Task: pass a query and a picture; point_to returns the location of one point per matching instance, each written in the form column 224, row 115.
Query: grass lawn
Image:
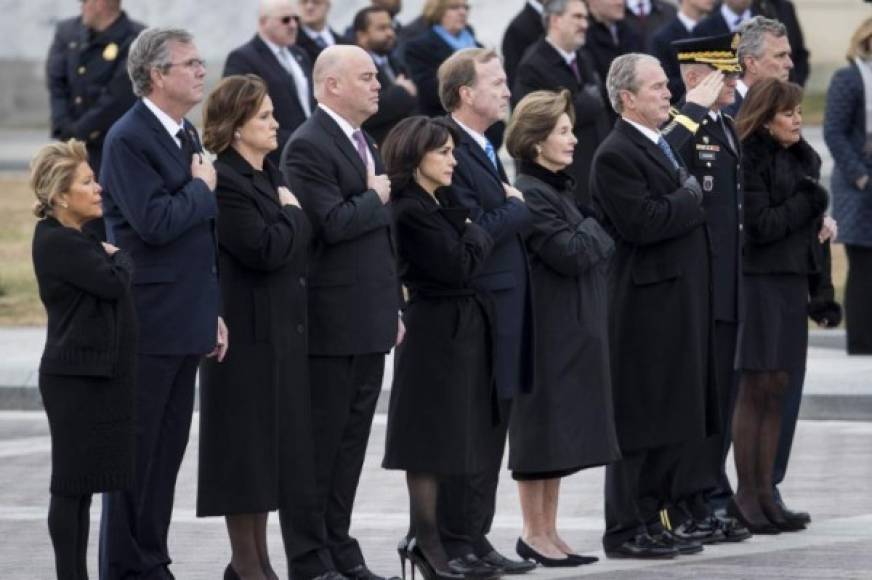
column 19, row 303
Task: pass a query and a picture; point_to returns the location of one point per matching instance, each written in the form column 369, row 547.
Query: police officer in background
column 86, row 73
column 707, row 142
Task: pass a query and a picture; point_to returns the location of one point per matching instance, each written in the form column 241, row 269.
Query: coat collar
column 455, row 215
column 644, row 143
column 474, row 149
column 237, row 163
column 343, row 143
column 560, row 181
column 163, row 137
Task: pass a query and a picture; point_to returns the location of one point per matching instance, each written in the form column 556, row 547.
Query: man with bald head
column 287, row 70
column 335, row 171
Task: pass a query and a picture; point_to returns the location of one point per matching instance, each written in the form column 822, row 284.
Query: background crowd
column 637, row 299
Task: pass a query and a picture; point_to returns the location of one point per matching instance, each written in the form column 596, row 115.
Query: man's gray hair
column 151, row 50
column 754, row 34
column 622, row 76
column 554, row 8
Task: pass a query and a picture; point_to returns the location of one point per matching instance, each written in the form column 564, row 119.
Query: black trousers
column 701, row 471
column 858, row 305
column 637, row 487
column 345, row 391
column 467, row 503
column 135, row 523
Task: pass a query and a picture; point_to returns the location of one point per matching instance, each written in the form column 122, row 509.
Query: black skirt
column 775, row 329
column 92, row 432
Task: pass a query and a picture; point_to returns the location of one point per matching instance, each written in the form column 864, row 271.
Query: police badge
column 110, row 53
column 708, row 182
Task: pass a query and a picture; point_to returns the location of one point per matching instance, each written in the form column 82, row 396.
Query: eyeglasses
column 191, row 63
column 287, row 19
column 458, row 7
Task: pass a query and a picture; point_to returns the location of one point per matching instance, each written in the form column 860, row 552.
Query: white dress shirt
column 168, row 122
column 651, row 134
column 730, row 17
column 476, row 136
column 290, row 64
column 348, row 129
column 324, row 34
column 688, row 22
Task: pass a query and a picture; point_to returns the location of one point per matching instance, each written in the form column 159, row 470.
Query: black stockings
column 423, row 498
column 756, row 428
column 250, row 555
column 68, row 522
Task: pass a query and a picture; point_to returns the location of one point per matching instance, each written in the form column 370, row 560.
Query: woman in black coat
column 567, row 423
column 255, row 419
column 785, row 230
column 86, row 371
column 442, row 394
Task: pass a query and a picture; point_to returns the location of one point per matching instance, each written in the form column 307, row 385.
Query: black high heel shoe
column 230, row 573
column 403, row 551
column 527, row 552
column 775, row 515
column 430, row 573
column 763, row 528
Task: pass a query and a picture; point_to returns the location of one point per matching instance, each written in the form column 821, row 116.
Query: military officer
column 86, row 73
column 709, row 145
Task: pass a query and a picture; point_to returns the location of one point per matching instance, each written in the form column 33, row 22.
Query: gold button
column 78, row 100
column 81, row 70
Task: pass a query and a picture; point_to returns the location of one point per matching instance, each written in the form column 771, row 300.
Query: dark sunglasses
column 287, row 19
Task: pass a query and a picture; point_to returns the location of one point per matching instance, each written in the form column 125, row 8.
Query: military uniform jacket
column 87, row 80
column 714, row 159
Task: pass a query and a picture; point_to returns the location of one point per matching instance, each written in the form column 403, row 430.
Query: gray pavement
column 830, row 470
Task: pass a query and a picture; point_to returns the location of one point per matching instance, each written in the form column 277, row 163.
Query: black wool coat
column 441, row 400
column 524, row 29
column 255, row 431
column 660, row 313
column 568, row 420
column 543, row 68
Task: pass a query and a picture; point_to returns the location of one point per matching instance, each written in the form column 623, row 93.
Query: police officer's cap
column 718, row 52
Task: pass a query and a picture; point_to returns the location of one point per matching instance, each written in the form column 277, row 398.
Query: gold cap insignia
column 110, row 53
column 735, row 44
column 705, row 139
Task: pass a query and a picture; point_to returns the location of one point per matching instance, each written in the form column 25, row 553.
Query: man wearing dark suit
column 608, row 37
column 732, row 14
column 660, row 310
column 524, row 29
column 285, row 68
column 646, row 17
column 159, row 206
column 472, row 88
column 710, row 148
column 690, row 12
column 398, row 96
column 559, row 61
column 316, row 34
column 336, row 172
column 87, row 76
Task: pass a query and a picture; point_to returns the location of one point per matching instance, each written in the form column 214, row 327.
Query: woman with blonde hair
column 848, row 134
column 567, row 423
column 86, row 371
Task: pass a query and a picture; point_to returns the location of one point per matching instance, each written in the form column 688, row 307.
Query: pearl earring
column 237, row 135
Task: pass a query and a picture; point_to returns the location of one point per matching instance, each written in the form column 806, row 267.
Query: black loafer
column 702, row 531
column 732, row 529
column 508, row 566
column 472, row 566
column 643, row 547
column 684, row 547
column 361, row 572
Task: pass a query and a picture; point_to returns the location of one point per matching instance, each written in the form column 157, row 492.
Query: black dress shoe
column 472, row 566
column 582, row 559
column 508, row 566
column 643, row 547
column 732, row 530
column 230, row 573
column 802, row 517
column 684, row 547
column 704, row 531
column 527, row 552
column 361, row 572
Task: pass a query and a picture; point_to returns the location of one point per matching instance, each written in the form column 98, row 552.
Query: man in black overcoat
column 709, row 145
column 285, row 68
column 336, row 172
column 398, row 97
column 659, row 320
column 559, row 61
column 733, row 14
column 524, row 29
column 159, row 206
column 472, row 87
column 646, row 17
column 690, row 12
column 608, row 37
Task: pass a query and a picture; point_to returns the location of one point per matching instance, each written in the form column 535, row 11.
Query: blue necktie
column 667, row 150
column 489, row 151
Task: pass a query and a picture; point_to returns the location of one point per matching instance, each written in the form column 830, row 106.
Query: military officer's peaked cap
column 716, row 51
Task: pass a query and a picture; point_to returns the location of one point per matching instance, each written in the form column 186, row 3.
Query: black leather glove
column 690, row 183
column 817, row 195
column 825, row 313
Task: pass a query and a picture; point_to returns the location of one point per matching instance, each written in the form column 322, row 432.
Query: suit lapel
column 163, row 137
column 556, row 63
column 477, row 153
column 652, row 150
column 343, row 143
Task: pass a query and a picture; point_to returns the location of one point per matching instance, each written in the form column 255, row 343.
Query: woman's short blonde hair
column 234, row 101
column 533, row 120
column 52, row 170
column 861, row 41
column 434, row 10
